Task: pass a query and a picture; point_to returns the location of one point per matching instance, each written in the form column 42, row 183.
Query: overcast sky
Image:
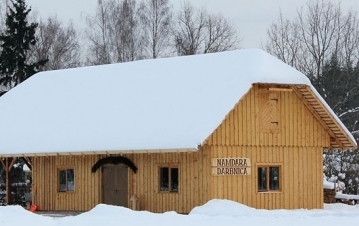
column 251, row 17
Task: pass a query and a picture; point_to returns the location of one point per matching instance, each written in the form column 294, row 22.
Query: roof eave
column 96, row 152
column 342, row 139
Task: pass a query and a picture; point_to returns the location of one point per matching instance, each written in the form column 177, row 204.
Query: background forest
column 322, row 41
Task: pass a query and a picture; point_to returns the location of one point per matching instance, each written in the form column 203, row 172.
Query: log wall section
column 297, row 148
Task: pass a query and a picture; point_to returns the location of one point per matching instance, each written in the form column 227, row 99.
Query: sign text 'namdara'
column 231, row 166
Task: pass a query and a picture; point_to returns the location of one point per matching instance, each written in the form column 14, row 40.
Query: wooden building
column 174, row 133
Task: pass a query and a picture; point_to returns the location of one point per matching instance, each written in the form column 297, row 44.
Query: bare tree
column 156, row 16
column 221, row 35
column 349, row 49
column 114, row 33
column 319, row 31
column 120, row 31
column 97, row 34
column 189, row 29
column 58, row 43
column 127, row 37
column 284, row 41
column 196, row 31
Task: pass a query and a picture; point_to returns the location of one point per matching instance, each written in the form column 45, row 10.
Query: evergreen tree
column 338, row 84
column 15, row 42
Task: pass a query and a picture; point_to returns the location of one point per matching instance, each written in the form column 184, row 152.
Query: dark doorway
column 115, row 181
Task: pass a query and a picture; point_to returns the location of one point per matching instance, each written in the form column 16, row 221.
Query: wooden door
column 115, row 180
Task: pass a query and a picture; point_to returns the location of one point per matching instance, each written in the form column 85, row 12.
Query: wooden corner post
column 9, row 162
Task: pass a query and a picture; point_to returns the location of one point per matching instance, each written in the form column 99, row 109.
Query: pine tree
column 338, row 84
column 15, row 42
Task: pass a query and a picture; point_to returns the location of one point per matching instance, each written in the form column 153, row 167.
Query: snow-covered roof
column 170, row 104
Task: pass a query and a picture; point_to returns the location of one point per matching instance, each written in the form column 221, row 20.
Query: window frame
column 66, row 169
column 280, row 181
column 170, row 167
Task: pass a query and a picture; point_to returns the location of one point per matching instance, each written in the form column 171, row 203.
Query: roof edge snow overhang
column 109, row 152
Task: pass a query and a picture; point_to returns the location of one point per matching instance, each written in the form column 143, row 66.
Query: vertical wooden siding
column 194, row 181
column 299, row 128
column 301, row 177
column 297, row 148
column 194, row 177
column 45, row 183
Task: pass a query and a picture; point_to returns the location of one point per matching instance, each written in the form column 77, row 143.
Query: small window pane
column 174, row 179
column 67, row 180
column 164, row 178
column 70, row 180
column 62, row 180
column 274, row 178
column 262, row 179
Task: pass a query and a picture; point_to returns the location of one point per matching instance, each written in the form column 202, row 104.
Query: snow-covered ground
column 215, row 212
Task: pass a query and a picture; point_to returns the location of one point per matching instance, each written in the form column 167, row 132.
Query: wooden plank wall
column 299, row 128
column 301, row 173
column 194, row 181
column 297, row 147
column 45, row 183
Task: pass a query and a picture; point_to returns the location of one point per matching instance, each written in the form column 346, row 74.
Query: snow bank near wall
column 213, row 213
column 218, row 207
column 19, row 216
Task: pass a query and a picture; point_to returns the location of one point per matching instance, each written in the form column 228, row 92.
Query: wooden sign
column 231, row 166
column 231, row 162
column 231, row 171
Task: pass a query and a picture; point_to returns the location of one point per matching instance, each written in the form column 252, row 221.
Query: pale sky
column 251, row 17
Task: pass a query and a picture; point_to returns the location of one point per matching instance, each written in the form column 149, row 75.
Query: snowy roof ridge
column 161, row 104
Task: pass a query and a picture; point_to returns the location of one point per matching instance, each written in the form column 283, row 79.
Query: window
column 169, row 179
column 67, row 180
column 268, row 178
